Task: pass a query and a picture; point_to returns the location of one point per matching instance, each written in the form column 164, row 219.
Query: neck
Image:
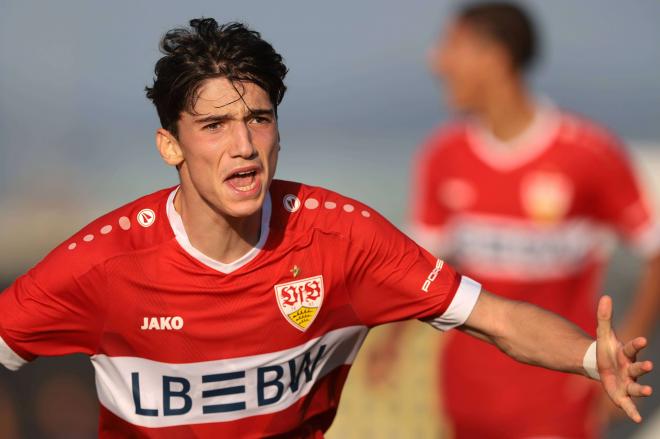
column 507, row 110
column 219, row 237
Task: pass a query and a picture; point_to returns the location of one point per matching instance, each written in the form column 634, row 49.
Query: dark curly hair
column 206, row 50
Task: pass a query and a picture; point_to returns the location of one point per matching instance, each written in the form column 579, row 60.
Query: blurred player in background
column 521, row 196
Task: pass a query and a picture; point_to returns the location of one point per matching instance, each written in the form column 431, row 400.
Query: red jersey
column 186, row 346
column 530, row 220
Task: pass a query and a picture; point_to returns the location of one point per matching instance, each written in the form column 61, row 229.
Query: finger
column 604, row 317
column 638, row 369
column 628, row 406
column 635, row 389
column 635, row 345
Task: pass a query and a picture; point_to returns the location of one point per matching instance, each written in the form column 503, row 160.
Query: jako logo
column 162, row 323
column 432, row 275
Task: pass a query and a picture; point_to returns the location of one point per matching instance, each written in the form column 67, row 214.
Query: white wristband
column 590, row 363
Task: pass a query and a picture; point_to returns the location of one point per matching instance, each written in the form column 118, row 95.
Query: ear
column 168, row 147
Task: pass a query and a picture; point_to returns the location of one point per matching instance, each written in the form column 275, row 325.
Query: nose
column 241, row 145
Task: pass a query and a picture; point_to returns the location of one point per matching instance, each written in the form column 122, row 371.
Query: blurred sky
column 76, row 132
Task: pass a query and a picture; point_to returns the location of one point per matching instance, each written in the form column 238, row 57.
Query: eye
column 261, row 119
column 212, row 126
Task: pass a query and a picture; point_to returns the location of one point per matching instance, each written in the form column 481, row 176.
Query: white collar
column 182, row 237
column 522, row 149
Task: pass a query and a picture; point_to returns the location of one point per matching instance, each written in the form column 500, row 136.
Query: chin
column 243, row 208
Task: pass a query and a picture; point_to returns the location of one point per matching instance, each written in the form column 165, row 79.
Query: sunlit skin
column 231, row 129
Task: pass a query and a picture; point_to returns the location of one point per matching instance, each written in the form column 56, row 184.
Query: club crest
column 546, row 196
column 300, row 300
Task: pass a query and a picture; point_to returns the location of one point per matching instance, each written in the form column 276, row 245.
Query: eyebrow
column 225, row 117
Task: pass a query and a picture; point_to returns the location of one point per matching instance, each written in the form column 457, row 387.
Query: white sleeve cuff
column 8, row 358
column 460, row 307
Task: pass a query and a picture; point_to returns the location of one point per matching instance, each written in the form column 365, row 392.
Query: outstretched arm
column 532, row 335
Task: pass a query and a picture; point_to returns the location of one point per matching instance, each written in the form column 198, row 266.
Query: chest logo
column 300, row 300
column 546, row 197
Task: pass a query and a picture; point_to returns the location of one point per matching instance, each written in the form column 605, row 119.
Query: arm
column 520, row 330
column 56, row 308
column 534, row 336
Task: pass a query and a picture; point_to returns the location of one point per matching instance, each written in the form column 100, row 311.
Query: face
column 227, row 148
column 468, row 64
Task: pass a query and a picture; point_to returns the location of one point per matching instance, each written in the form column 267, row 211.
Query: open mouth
column 244, row 180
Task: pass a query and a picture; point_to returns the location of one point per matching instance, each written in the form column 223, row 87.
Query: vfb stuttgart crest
column 300, row 301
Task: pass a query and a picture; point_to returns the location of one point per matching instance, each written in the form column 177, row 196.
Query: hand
column 617, row 363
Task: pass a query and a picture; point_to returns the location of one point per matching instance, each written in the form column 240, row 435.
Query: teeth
column 247, row 178
column 246, row 188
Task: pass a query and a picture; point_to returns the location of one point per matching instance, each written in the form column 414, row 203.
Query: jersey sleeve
column 621, row 200
column 428, row 216
column 391, row 278
column 54, row 309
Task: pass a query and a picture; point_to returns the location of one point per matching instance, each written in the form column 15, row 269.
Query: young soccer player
column 233, row 304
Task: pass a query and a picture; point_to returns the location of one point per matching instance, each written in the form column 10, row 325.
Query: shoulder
column 445, row 138
column 132, row 227
column 445, row 144
column 589, row 137
column 304, row 208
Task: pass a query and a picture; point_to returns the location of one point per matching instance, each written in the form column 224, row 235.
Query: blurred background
column 76, row 140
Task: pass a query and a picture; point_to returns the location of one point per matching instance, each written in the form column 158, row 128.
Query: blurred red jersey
column 530, row 220
column 186, row 346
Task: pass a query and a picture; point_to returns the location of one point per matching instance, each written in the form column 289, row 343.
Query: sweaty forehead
column 221, row 93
